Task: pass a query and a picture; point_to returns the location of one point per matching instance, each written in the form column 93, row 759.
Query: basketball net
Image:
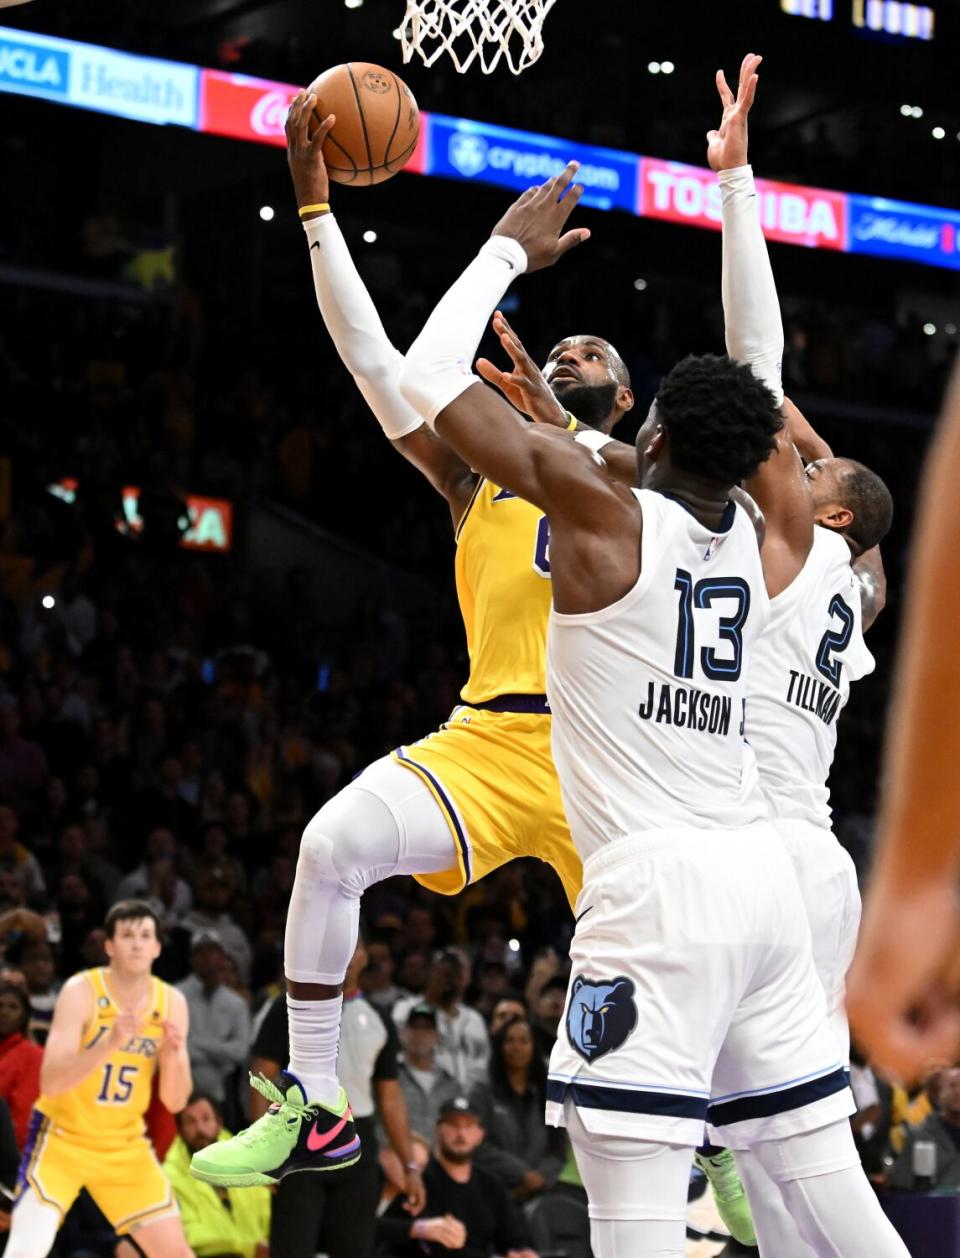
column 471, row 29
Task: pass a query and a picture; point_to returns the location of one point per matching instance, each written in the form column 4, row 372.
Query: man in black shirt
column 468, row 1210
column 338, row 1212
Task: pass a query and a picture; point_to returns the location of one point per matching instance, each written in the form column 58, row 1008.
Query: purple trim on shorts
column 514, row 703
column 447, row 806
column 29, row 1146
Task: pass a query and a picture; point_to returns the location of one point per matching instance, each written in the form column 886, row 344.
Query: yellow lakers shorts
column 492, row 774
column 126, row 1182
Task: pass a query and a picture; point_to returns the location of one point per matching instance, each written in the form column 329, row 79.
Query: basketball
column 377, row 125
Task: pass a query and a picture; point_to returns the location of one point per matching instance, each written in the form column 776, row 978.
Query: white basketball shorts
column 693, row 996
column 828, row 885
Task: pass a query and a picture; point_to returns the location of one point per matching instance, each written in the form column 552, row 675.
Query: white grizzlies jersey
column 800, row 680
column 648, row 694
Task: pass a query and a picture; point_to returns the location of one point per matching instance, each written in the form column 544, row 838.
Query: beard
column 591, row 403
column 457, row 1156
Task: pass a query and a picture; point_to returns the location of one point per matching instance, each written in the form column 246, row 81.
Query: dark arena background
column 221, row 592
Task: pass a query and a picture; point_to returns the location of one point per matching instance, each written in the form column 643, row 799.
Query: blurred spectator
column 20, row 1059
column 14, row 856
column 505, row 1010
column 217, row 1221
column 547, row 1009
column 219, row 1036
column 377, row 979
column 426, row 1085
column 212, row 893
column 36, row 960
column 519, row 1149
column 941, row 1129
column 144, row 882
column 468, row 1209
column 23, row 766
column 464, row 1047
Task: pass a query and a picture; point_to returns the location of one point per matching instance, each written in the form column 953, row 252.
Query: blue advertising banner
column 145, row 89
column 478, row 152
column 899, row 229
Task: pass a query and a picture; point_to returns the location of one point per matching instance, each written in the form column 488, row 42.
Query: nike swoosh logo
column 583, row 914
column 315, row 245
column 317, row 1141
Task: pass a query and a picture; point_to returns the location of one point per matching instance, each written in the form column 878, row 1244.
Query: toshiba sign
column 244, row 108
column 788, row 212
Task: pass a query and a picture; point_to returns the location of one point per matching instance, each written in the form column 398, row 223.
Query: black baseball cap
column 458, row 1105
column 426, row 1012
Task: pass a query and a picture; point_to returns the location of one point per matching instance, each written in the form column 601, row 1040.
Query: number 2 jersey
column 108, row 1106
column 648, row 694
column 800, row 681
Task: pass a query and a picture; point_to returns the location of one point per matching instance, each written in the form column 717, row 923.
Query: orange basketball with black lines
column 377, row 125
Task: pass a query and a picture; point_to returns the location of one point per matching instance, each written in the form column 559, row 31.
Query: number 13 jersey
column 800, row 681
column 648, row 694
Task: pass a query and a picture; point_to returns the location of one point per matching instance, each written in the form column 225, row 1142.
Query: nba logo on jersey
column 600, row 1016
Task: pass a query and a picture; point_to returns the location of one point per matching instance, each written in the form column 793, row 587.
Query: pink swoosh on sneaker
column 316, row 1141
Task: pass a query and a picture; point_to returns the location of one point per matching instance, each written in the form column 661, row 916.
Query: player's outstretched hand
column 305, row 154
column 727, row 147
column 902, row 989
column 524, row 387
column 536, row 220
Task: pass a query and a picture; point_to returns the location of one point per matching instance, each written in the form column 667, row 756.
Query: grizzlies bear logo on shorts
column 600, row 1016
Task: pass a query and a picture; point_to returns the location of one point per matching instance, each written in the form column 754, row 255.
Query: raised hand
column 535, row 221
column 524, row 387
column 305, row 153
column 727, row 147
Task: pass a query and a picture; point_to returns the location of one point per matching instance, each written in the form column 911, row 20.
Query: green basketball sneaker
column 293, row 1135
column 721, row 1170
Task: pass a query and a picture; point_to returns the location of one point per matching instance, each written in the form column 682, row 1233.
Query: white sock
column 314, row 1040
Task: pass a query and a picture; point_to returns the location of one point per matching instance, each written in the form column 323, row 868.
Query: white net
column 469, row 30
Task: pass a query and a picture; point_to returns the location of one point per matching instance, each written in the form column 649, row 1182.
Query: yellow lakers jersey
column 503, row 585
column 109, row 1104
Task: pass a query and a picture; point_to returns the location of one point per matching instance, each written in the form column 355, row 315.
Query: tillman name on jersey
column 812, row 695
column 686, row 707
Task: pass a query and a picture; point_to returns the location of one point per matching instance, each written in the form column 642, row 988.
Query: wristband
column 573, row 425
column 593, row 440
column 322, row 208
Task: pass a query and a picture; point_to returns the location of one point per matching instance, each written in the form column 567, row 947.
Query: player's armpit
column 442, row 466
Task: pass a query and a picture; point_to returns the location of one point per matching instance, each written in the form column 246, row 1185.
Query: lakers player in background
column 113, row 1029
column 466, row 799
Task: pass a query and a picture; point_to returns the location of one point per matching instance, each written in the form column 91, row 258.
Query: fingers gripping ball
column 377, row 124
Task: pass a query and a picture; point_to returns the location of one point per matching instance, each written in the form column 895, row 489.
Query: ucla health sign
column 460, row 149
column 898, row 229
column 145, row 89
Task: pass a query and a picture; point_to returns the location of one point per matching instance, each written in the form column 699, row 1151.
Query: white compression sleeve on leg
column 826, row 1193
column 33, row 1227
column 355, row 328
column 438, row 363
column 750, row 304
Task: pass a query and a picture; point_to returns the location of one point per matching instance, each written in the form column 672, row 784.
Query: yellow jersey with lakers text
column 109, row 1105
column 503, row 585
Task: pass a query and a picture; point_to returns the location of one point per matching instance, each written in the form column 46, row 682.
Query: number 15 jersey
column 108, row 1106
column 648, row 694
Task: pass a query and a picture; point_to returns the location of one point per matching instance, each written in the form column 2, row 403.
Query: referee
column 337, row 1213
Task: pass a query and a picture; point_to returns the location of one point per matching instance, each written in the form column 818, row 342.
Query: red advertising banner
column 691, row 195
column 244, row 108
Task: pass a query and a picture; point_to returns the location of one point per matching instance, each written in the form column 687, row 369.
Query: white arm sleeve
column 355, row 328
column 438, row 363
column 750, row 304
